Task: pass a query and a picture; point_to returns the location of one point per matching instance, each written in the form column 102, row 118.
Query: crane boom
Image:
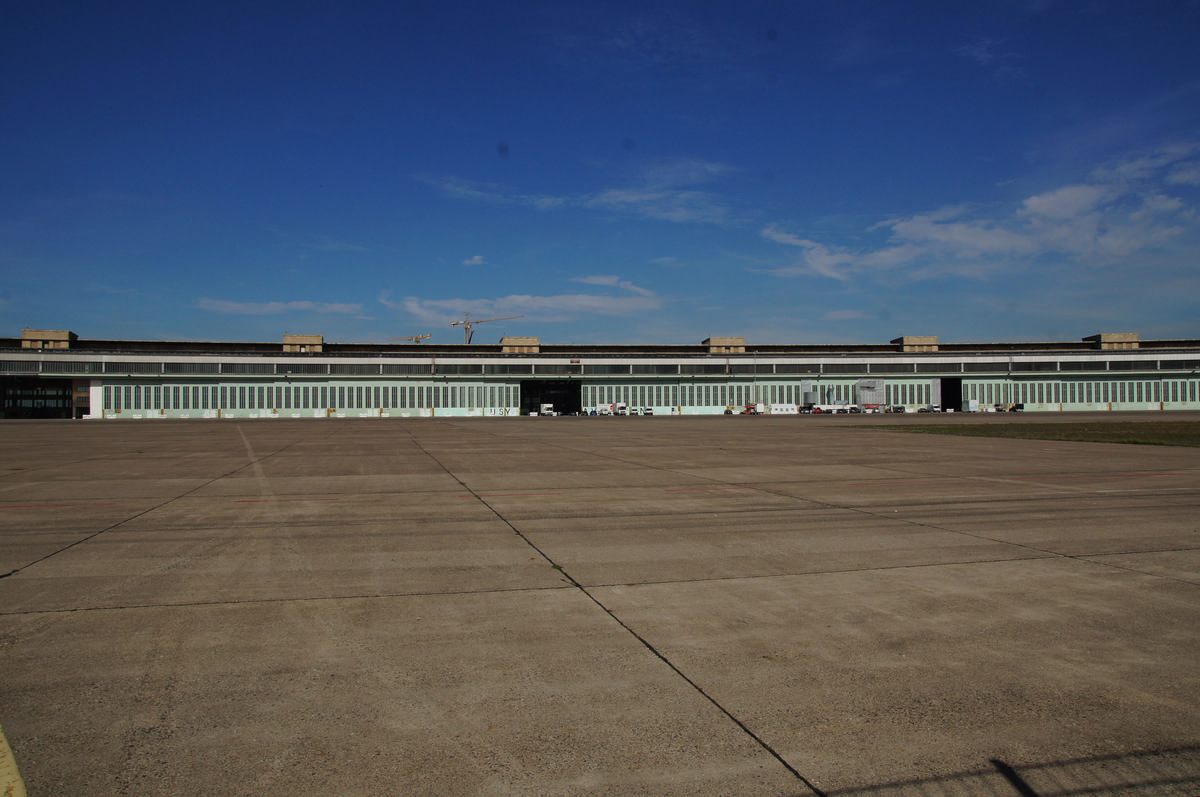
column 469, row 326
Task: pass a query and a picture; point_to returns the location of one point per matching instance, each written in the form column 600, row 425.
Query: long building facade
column 56, row 374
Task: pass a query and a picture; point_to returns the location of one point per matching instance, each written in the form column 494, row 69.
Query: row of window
column 305, row 397
column 688, row 395
column 718, row 395
column 216, row 367
column 1106, row 392
column 296, row 397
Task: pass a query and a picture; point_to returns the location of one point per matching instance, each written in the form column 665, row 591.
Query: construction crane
column 469, row 326
column 413, row 338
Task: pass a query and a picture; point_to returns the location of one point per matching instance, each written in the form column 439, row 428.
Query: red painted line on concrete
column 702, row 489
column 280, row 500
column 1094, row 476
column 1021, row 478
column 49, row 506
column 502, row 495
column 900, row 481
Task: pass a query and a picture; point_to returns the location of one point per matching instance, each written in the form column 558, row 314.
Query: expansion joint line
column 253, row 461
column 644, row 642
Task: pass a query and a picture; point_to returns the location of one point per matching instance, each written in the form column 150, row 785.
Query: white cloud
column 1065, row 203
column 274, row 308
column 781, row 237
column 961, row 238
column 816, row 258
column 663, row 190
column 1123, row 209
column 476, row 260
column 1187, row 173
column 660, row 203
column 613, row 281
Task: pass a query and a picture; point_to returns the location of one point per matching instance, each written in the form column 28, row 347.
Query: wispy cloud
column 275, row 308
column 560, row 308
column 613, row 281
column 1122, row 208
column 994, row 55
column 1187, row 173
column 659, row 44
column 476, row 260
column 664, row 190
column 320, row 243
column 324, row 243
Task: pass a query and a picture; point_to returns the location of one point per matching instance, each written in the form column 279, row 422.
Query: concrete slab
column 193, row 511
column 687, row 547
column 34, row 489
column 250, row 484
column 1098, row 524
column 879, row 676
column 750, row 606
column 280, row 563
column 542, row 694
column 1179, row 564
column 85, row 514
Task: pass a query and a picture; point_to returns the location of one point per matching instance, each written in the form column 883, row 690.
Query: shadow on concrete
column 1174, row 771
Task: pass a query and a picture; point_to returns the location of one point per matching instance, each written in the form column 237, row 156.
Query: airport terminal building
column 56, row 374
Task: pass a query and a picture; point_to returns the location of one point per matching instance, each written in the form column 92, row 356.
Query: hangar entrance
column 565, row 394
column 30, row 397
column 952, row 394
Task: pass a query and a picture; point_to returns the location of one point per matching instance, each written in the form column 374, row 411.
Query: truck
column 547, row 409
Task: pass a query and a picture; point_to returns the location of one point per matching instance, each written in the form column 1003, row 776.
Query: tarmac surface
column 581, row 606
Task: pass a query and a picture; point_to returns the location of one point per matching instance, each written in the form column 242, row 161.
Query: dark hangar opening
column 565, row 394
column 952, row 394
column 30, row 397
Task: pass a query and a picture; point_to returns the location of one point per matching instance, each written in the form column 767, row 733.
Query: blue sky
column 792, row 172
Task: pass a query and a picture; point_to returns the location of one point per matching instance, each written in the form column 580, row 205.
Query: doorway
column 565, row 394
